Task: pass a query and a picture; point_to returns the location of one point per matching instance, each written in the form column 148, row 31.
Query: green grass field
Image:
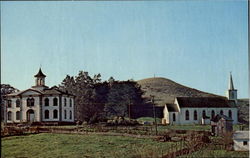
column 75, row 146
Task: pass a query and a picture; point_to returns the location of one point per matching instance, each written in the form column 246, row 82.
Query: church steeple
column 231, row 92
column 40, row 78
column 231, row 84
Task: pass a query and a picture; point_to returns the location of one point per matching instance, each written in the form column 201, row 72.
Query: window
column 195, row 115
column 46, row 114
column 221, row 112
column 9, row 115
column 46, row 102
column 203, row 114
column 30, row 102
column 70, row 115
column 9, row 103
column 244, row 142
column 55, row 114
column 187, row 115
column 65, row 114
column 212, row 114
column 70, row 102
column 55, row 102
column 174, row 117
column 18, row 103
column 230, row 113
column 65, row 102
column 18, row 115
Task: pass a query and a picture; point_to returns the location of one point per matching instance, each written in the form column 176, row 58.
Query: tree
column 121, row 96
column 83, row 87
column 5, row 89
column 95, row 100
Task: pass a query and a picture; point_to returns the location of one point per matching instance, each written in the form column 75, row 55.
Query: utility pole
column 152, row 100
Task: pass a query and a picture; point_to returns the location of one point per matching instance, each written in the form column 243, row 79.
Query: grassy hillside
column 166, row 90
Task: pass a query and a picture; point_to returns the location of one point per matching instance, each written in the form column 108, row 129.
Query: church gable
column 30, row 92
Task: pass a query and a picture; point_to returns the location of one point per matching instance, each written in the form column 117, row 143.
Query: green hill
column 166, row 90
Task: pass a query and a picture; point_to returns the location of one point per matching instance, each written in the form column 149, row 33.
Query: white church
column 200, row 110
column 39, row 104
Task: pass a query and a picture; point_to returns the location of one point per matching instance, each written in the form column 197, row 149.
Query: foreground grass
column 216, row 150
column 206, row 153
column 67, row 145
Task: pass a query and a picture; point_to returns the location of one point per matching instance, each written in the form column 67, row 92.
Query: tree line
column 97, row 100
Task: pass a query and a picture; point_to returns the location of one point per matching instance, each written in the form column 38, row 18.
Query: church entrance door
column 30, row 115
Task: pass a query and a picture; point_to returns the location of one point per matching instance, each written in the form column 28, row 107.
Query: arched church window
column 55, row 101
column 65, row 114
column 46, row 101
column 221, row 112
column 174, row 117
column 46, row 114
column 195, row 115
column 70, row 115
column 55, row 114
column 18, row 115
column 212, row 114
column 9, row 115
column 204, row 114
column 230, row 113
column 187, row 115
column 18, row 103
column 65, row 102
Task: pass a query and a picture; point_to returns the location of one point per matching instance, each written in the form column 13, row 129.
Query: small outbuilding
column 241, row 140
column 221, row 125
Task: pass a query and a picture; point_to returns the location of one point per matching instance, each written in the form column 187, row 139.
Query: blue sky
column 194, row 43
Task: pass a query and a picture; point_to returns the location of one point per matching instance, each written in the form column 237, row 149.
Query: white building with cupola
column 39, row 104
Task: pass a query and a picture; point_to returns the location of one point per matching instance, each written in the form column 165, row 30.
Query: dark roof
column 40, row 74
column 53, row 90
column 172, row 107
column 219, row 116
column 204, row 102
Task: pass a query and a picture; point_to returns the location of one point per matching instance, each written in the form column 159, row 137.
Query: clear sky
column 194, row 43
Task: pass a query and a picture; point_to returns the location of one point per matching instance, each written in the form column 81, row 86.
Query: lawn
column 72, row 145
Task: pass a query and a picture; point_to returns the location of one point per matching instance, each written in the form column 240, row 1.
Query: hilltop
column 165, row 90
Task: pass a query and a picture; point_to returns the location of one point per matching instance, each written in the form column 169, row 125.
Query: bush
column 117, row 121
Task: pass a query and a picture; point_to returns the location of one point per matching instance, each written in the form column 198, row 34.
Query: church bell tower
column 231, row 92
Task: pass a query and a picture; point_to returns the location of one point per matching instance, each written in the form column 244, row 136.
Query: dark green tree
column 5, row 89
column 121, row 97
